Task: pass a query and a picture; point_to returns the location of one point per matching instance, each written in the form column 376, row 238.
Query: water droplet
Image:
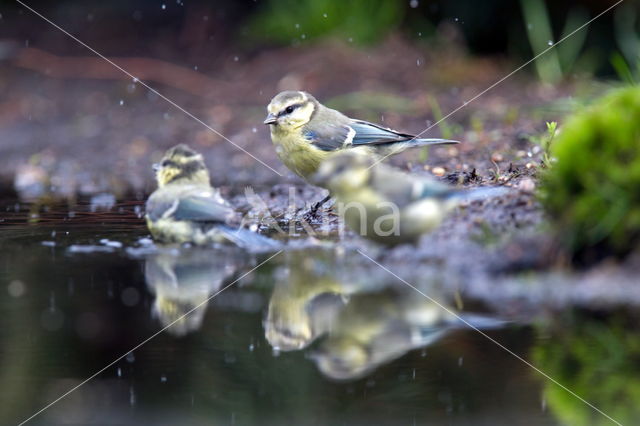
column 297, row 26
column 132, row 396
column 119, row 372
column 16, row 288
column 236, row 59
column 324, row 15
column 550, row 42
column 130, row 357
column 350, row 39
column 164, row 6
column 121, row 102
column 303, row 36
column 254, row 130
column 135, row 80
column 413, row 3
column 456, row 19
column 418, row 62
column 163, row 379
column 195, row 67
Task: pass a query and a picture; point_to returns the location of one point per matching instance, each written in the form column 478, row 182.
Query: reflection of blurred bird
column 375, row 329
column 305, row 132
column 302, row 307
column 183, row 280
column 185, row 208
column 386, row 204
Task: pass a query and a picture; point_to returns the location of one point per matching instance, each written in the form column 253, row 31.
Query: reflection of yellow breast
column 300, row 156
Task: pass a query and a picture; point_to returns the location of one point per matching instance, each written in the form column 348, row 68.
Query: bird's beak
column 271, row 119
column 155, row 167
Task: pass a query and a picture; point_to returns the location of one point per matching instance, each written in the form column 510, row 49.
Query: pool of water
column 313, row 335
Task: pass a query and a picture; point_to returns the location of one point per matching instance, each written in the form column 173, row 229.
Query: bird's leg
column 311, row 214
column 319, row 204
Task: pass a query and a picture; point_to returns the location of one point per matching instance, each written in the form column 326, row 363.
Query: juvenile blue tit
column 186, row 209
column 305, row 133
column 385, row 204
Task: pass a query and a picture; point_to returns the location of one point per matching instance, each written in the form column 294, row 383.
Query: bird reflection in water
column 360, row 324
column 184, row 279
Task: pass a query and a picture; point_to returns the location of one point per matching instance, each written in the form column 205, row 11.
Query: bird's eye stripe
column 167, row 163
column 289, row 109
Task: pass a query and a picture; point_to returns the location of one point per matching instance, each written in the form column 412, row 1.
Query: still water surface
column 313, row 336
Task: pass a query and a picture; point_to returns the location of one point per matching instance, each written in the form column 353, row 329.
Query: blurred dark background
column 186, row 29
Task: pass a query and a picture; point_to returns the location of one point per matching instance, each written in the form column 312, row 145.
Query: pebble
column 438, row 171
column 526, row 185
column 497, row 157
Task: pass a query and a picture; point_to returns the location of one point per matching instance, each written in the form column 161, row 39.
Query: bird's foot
column 311, row 215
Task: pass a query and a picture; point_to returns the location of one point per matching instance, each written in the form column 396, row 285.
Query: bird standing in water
column 187, row 209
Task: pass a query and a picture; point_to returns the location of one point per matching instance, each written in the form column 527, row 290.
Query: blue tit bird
column 385, row 204
column 187, row 209
column 305, row 133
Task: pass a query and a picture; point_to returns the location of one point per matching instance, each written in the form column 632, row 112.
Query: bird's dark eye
column 164, row 163
column 289, row 109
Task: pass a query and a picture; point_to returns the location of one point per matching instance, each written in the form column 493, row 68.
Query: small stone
column 530, row 166
column 526, row 185
column 438, row 171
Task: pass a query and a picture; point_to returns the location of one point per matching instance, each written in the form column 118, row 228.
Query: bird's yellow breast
column 296, row 152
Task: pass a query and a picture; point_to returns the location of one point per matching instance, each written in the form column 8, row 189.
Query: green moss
column 361, row 21
column 592, row 192
column 597, row 361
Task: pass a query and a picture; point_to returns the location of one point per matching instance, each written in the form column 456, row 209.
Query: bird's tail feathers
column 482, row 322
column 484, row 193
column 249, row 240
column 431, row 141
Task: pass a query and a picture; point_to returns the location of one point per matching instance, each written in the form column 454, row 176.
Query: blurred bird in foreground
column 305, row 133
column 186, row 209
column 385, row 204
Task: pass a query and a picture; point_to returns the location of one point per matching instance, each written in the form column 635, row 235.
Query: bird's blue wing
column 328, row 137
column 192, row 208
column 372, row 134
column 331, row 137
